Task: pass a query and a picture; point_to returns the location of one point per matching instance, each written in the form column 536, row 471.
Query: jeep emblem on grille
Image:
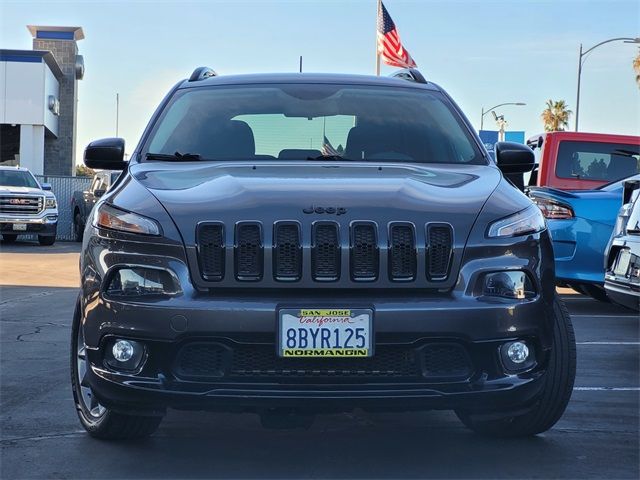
column 328, row 210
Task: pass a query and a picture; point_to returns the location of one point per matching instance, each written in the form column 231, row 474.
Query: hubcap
column 86, row 397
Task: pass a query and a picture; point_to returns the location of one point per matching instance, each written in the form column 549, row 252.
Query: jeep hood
column 268, row 192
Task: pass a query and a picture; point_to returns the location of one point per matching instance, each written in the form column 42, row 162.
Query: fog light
column 123, row 350
column 124, row 355
column 517, row 356
column 518, row 352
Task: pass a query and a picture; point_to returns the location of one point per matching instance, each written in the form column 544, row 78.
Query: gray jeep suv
column 300, row 243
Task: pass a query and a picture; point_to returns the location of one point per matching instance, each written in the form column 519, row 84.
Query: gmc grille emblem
column 19, row 201
column 328, row 210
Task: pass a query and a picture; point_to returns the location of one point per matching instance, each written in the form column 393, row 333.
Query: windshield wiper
column 176, row 157
column 328, row 157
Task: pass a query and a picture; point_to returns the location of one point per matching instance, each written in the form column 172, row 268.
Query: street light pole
column 580, row 62
column 484, row 112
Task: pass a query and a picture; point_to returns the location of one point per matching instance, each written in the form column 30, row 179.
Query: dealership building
column 38, row 100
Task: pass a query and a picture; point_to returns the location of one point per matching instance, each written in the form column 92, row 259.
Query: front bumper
column 578, row 244
column 624, row 288
column 247, row 329
column 46, row 223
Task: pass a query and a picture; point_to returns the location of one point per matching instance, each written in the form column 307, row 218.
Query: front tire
column 558, row 386
column 100, row 421
column 78, row 227
column 46, row 241
column 9, row 238
column 596, row 292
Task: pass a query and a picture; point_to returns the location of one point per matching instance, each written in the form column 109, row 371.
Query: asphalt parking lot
column 40, row 436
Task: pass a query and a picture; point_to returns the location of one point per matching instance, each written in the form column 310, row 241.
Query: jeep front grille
column 402, row 252
column 21, row 204
column 364, row 252
column 322, row 250
column 249, row 265
column 287, row 251
column 325, row 252
column 211, row 250
column 439, row 243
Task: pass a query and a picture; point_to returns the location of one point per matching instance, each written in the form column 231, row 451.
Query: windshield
column 311, row 121
column 17, row 178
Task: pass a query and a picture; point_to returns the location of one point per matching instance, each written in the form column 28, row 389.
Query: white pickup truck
column 26, row 206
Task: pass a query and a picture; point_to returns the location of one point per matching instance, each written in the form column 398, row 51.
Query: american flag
column 327, row 148
column 389, row 44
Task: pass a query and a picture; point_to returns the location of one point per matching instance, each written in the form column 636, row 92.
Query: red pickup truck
column 583, row 161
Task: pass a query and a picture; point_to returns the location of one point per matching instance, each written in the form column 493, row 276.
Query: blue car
column 581, row 222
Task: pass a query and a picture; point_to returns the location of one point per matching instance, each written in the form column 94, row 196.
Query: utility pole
column 117, row 111
column 377, row 51
column 300, row 63
column 582, row 56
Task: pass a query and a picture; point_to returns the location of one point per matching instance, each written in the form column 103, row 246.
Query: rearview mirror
column 107, row 153
column 46, row 186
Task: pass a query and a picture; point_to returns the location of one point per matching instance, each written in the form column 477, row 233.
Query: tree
column 636, row 67
column 556, row 116
column 82, row 171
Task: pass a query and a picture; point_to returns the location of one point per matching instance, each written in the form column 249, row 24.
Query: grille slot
column 21, row 205
column 448, row 360
column 325, row 252
column 287, row 257
column 402, row 253
column 439, row 247
column 256, row 362
column 249, row 251
column 201, row 360
column 211, row 251
column 364, row 252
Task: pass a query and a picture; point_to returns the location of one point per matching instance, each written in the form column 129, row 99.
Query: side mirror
column 98, row 193
column 107, row 153
column 514, row 157
column 46, row 186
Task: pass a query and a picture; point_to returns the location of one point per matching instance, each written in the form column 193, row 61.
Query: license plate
column 21, row 227
column 622, row 263
column 335, row 332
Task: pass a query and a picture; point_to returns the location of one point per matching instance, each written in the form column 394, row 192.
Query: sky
column 482, row 52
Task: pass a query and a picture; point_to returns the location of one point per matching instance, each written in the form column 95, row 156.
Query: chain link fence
column 63, row 188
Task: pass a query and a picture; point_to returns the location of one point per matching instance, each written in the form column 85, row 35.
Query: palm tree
column 556, row 116
column 636, row 67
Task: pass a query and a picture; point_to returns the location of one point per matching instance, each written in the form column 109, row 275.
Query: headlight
column 50, row 203
column 113, row 218
column 141, row 281
column 529, row 220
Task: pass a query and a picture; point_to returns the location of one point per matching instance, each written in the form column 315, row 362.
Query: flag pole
column 377, row 52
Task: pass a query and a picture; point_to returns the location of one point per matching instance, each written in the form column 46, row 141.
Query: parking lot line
column 607, row 343
column 607, row 389
column 586, row 315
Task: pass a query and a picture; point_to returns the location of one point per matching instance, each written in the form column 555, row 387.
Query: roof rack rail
column 411, row 74
column 201, row 73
